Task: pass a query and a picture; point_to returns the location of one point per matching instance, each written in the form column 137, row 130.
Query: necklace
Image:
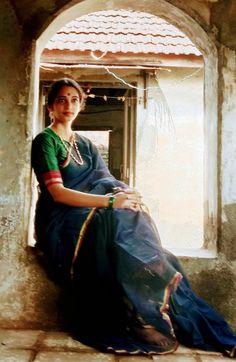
column 72, row 144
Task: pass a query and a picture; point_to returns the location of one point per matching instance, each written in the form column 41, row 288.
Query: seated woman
column 128, row 294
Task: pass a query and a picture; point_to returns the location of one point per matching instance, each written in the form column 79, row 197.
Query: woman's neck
column 64, row 132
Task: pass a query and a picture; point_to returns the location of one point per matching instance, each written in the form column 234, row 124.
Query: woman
column 128, row 293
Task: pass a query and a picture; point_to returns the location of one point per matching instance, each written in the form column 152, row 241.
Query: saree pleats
column 112, row 283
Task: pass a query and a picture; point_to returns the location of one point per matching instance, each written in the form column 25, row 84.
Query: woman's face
column 66, row 105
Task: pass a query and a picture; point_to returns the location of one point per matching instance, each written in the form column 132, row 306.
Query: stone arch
column 203, row 41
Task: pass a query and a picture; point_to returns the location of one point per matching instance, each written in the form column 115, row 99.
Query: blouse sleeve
column 44, row 160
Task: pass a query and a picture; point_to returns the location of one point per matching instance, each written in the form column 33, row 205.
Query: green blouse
column 48, row 155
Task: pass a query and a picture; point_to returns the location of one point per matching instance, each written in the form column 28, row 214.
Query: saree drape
column 120, row 277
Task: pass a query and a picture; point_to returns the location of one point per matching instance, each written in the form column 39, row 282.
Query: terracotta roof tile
column 122, row 31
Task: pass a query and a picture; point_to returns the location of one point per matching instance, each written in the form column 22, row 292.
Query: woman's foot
column 151, row 336
column 230, row 352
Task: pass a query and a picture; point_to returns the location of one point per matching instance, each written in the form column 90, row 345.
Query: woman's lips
column 68, row 113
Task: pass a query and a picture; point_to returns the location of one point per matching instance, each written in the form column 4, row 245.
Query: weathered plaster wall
column 27, row 297
column 170, row 151
column 21, row 280
column 223, row 15
column 214, row 280
column 14, row 160
column 228, row 152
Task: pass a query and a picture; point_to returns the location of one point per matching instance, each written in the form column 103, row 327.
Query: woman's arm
column 46, row 166
column 70, row 197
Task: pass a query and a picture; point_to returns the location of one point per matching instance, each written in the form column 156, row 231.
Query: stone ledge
column 43, row 346
column 62, row 340
column 73, row 357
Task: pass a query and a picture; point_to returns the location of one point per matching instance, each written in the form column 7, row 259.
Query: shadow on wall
column 228, row 232
column 221, row 279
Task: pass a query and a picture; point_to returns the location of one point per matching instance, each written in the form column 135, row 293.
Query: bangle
column 111, row 201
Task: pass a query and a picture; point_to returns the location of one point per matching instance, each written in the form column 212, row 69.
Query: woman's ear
column 50, row 113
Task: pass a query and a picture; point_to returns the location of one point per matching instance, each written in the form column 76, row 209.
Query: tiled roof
column 122, row 31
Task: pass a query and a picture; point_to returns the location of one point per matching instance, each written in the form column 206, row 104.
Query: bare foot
column 231, row 352
column 152, row 336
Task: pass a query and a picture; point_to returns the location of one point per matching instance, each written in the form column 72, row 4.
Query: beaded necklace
column 72, row 144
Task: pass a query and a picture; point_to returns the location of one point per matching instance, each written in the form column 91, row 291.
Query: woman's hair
column 58, row 84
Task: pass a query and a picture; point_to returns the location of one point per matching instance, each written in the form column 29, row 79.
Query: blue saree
column 119, row 275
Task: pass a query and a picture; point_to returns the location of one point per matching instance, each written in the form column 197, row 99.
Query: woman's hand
column 127, row 199
column 127, row 191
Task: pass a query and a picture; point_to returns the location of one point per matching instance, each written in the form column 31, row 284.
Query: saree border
column 141, row 352
column 81, row 238
column 176, row 279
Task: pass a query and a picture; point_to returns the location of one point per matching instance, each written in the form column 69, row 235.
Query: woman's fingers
column 128, row 201
column 117, row 189
column 126, row 191
column 134, row 192
column 134, row 197
column 135, row 207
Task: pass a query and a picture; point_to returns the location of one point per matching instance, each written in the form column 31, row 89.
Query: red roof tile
column 122, row 31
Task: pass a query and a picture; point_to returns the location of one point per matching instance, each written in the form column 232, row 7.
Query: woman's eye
column 75, row 100
column 60, row 100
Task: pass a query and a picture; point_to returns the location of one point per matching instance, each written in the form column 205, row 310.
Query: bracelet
column 111, row 201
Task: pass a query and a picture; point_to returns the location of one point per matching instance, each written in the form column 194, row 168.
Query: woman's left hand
column 127, row 191
column 128, row 199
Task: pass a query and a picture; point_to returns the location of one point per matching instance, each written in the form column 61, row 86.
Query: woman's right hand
column 131, row 200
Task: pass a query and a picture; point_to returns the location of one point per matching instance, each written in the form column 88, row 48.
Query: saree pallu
column 119, row 275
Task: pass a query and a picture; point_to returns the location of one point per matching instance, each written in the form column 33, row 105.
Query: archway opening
column 208, row 176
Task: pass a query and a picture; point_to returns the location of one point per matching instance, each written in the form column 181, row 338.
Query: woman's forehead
column 67, row 91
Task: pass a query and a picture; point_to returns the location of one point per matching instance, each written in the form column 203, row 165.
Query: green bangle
column 111, row 201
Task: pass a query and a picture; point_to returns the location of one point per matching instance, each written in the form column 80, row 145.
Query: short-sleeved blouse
column 48, row 154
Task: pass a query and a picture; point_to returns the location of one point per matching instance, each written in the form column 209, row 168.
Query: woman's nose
column 68, row 105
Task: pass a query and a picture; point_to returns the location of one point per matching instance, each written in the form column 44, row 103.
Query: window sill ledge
column 194, row 253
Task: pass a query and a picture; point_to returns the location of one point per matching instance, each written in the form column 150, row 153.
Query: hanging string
column 121, row 80
column 129, row 84
column 105, row 97
column 119, row 98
